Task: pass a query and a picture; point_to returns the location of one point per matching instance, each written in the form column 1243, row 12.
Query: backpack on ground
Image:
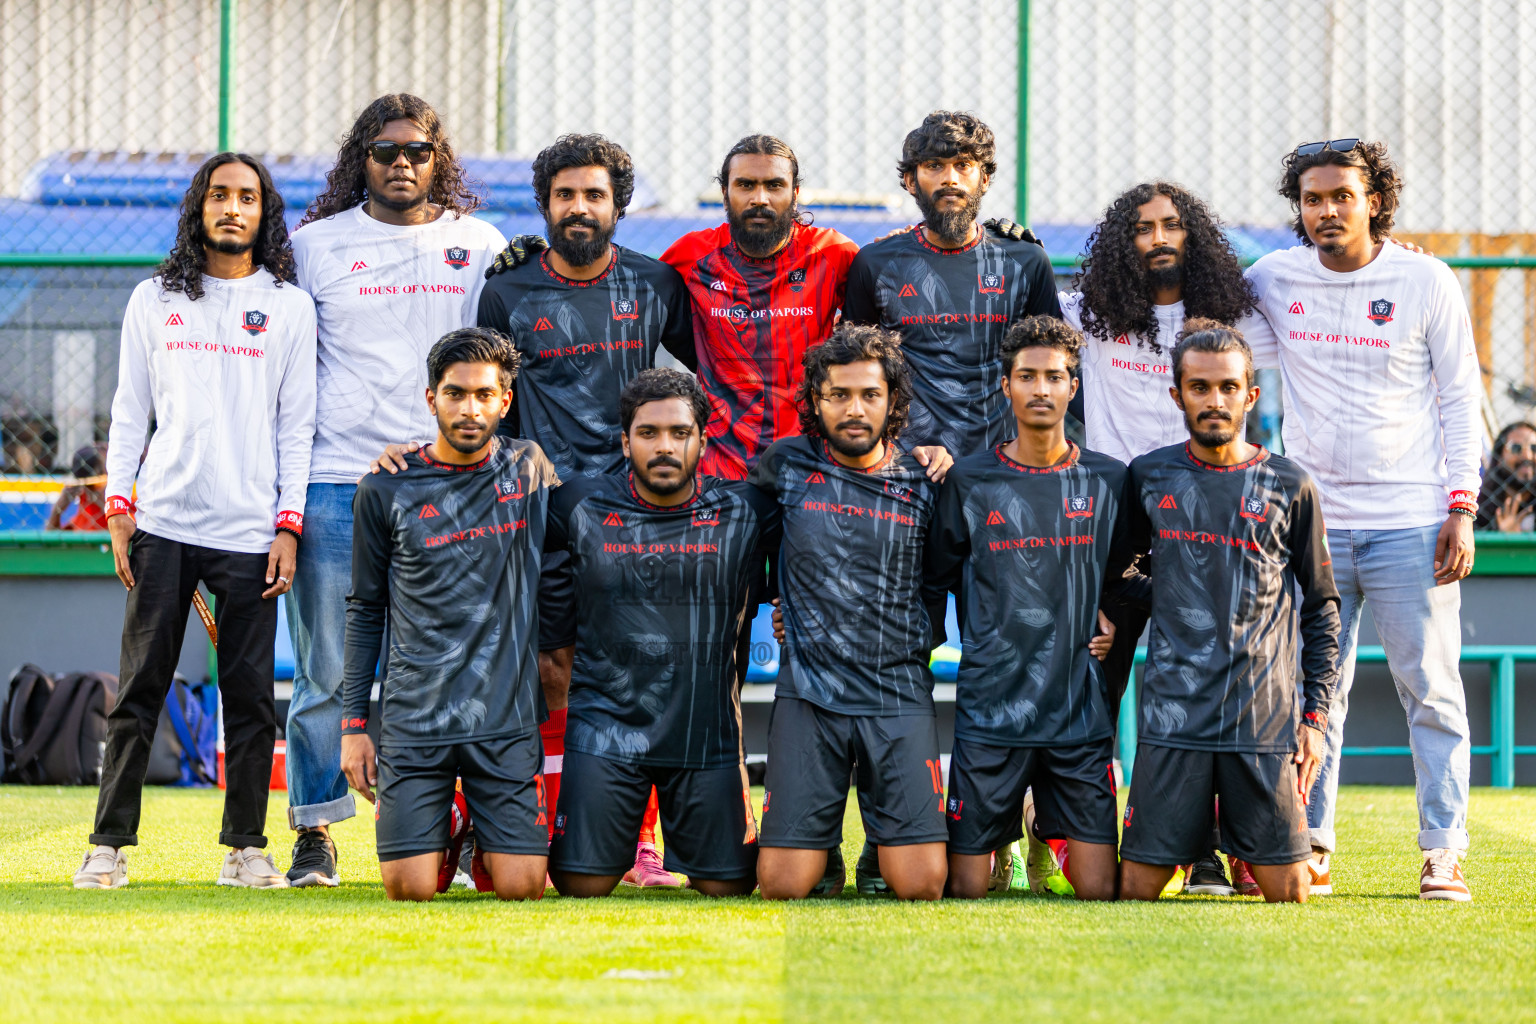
column 53, row 729
column 185, row 752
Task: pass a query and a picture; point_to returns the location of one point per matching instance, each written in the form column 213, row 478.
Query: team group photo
column 674, row 575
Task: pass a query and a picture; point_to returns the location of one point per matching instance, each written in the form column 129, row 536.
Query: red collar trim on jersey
column 698, row 495
column 917, row 233
column 1258, row 458
column 1060, row 467
column 571, row 282
column 453, row 467
column 890, row 456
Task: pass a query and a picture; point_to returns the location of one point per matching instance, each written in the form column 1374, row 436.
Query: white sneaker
column 250, row 868
column 1441, row 879
column 105, row 867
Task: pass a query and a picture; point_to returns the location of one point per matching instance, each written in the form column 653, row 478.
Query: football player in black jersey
column 1239, row 559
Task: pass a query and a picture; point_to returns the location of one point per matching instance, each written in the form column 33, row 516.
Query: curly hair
column 657, row 385
column 764, row 145
column 1200, row 335
column 584, row 151
column 182, row 270
column 346, row 185
column 474, row 345
column 947, row 134
column 1117, row 297
column 1375, row 166
column 1042, row 332
column 856, row 343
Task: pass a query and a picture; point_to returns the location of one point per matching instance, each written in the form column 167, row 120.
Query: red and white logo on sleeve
column 293, row 522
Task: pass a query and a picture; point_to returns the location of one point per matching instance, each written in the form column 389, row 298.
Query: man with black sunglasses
column 394, row 262
column 1382, row 397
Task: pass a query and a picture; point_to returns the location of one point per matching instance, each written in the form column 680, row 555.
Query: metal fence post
column 1125, row 742
column 1504, row 722
column 1021, row 186
column 226, row 74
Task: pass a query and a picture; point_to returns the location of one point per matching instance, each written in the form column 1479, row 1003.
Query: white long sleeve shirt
column 384, row 295
column 229, row 381
column 1381, row 383
column 1127, row 409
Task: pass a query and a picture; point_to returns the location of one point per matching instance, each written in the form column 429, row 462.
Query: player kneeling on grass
column 451, row 548
column 219, row 352
column 854, row 689
column 663, row 561
column 1235, row 534
column 1029, row 534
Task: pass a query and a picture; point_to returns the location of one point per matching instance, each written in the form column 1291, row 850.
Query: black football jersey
column 581, row 342
column 453, row 554
column 661, row 599
column 850, row 575
column 1232, row 547
column 1029, row 552
column 952, row 307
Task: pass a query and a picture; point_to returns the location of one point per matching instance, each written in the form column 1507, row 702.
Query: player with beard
column 766, row 286
column 1507, row 499
column 393, row 259
column 1029, row 535
column 1382, row 405
column 950, row 287
column 855, row 693
column 586, row 316
column 450, row 550
column 1158, row 255
column 663, row 561
column 1239, row 555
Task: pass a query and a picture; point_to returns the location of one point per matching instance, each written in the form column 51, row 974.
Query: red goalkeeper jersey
column 753, row 320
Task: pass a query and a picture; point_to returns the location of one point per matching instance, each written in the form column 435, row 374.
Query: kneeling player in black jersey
column 451, row 549
column 854, row 685
column 663, row 561
column 1235, row 533
column 1029, row 534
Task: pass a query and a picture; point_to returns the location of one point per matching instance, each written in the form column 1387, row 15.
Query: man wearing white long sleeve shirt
column 1381, row 406
column 218, row 349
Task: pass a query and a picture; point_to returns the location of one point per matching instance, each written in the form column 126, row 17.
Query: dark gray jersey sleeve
column 367, row 603
column 1124, row 582
column 677, row 333
column 859, row 305
column 1313, row 567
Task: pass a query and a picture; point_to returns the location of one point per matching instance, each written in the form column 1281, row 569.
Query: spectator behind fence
column 89, row 466
column 1507, row 499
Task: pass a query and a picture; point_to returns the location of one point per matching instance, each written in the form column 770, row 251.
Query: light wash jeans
column 317, row 621
column 1420, row 628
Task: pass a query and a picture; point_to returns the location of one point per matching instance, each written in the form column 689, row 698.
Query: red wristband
column 118, row 506
column 293, row 522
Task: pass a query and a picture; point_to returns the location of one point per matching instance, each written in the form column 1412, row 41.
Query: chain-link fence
column 106, row 107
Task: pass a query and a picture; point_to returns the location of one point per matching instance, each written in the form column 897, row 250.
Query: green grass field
column 173, row 946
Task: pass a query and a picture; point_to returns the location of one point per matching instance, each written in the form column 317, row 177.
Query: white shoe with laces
column 1441, row 879
column 105, row 867
column 250, row 868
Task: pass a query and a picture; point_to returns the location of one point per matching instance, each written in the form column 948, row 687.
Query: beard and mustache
column 760, row 231
column 581, row 252
column 663, row 487
column 952, row 225
column 1213, row 429
column 849, row 447
column 1170, row 276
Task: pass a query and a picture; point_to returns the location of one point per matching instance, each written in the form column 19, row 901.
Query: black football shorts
column 1074, row 794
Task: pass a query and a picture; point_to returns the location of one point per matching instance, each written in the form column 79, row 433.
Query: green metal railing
column 1500, row 659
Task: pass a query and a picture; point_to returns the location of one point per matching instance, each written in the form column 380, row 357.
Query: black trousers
column 166, row 573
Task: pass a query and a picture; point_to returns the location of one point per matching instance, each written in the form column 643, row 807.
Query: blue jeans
column 317, row 621
column 1420, row 628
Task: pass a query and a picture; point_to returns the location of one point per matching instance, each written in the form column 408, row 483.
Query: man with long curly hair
column 218, row 350
column 854, row 686
column 1157, row 257
column 1382, row 402
column 395, row 261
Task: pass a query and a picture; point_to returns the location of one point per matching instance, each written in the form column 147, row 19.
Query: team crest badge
column 456, row 257
column 1381, row 311
column 989, row 284
column 797, row 279
column 513, row 494
column 898, row 491
column 254, row 322
column 706, row 517
column 1253, row 508
column 625, row 309
column 1079, row 506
